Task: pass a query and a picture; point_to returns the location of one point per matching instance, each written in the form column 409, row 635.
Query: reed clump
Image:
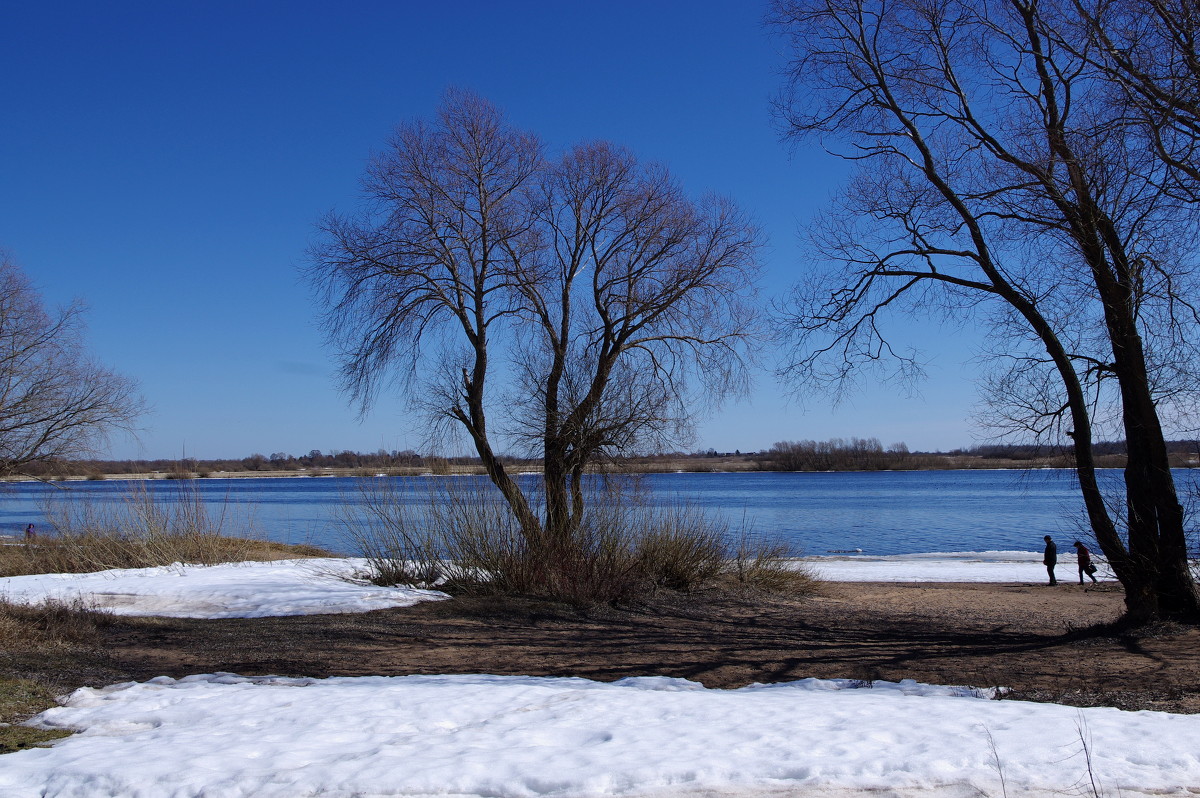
column 460, row 537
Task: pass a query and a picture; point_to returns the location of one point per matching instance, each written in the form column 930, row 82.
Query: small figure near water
column 30, row 533
column 1084, row 557
column 1050, row 558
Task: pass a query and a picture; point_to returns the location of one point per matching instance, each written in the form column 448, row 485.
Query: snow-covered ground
column 221, row 735
column 499, row 736
column 235, row 590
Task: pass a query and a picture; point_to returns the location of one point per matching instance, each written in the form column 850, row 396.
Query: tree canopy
column 56, row 403
column 1005, row 178
column 562, row 305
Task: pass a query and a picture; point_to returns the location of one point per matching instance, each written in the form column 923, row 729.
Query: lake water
column 881, row 513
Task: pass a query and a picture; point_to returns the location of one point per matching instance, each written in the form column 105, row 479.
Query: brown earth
column 1045, row 643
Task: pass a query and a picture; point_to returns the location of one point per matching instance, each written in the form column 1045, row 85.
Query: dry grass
column 143, row 530
column 88, row 552
column 51, row 629
column 50, row 625
column 770, row 567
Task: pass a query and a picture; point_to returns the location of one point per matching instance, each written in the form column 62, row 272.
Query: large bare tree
column 1149, row 50
column 995, row 183
column 55, row 402
column 568, row 305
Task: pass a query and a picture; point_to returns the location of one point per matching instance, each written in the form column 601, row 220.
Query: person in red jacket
column 1084, row 557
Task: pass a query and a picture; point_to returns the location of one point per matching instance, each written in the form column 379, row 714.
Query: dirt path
column 1037, row 640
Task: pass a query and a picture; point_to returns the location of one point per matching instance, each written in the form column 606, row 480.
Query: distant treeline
column 868, row 454
column 837, row 454
column 1104, row 448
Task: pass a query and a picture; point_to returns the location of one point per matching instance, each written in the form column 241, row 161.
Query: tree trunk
column 554, row 481
column 474, row 420
column 1158, row 580
column 1157, row 542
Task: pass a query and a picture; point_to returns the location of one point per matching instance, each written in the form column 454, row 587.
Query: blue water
column 882, row 513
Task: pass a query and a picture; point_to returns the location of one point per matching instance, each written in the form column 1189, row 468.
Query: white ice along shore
column 957, row 566
column 524, row 737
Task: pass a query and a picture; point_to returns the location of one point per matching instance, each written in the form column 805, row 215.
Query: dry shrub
column 770, row 566
column 144, row 529
column 460, row 537
column 381, row 522
column 681, row 549
column 50, row 624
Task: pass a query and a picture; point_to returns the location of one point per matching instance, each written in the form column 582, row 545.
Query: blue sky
column 166, row 163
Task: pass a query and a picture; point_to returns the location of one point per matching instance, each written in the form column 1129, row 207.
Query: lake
column 881, row 513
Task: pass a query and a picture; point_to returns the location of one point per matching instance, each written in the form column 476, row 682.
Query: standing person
column 30, row 534
column 1085, row 562
column 1050, row 558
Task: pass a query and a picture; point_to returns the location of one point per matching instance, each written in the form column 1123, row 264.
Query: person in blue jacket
column 1050, row 558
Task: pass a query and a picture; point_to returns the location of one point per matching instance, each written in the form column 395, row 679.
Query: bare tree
column 995, row 184
column 55, row 402
column 566, row 305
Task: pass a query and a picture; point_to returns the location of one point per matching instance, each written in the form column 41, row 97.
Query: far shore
column 646, row 465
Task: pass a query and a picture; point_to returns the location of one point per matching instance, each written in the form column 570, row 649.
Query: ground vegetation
column 459, row 537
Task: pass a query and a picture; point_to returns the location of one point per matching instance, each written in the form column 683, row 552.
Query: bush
column 393, row 536
column 770, row 566
column 460, row 537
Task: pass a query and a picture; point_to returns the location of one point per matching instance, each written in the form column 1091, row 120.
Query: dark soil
column 1044, row 643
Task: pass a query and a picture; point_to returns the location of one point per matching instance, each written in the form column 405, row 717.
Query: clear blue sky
column 166, row 161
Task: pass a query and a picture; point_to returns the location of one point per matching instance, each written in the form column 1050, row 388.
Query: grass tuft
column 52, row 624
column 21, row 699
